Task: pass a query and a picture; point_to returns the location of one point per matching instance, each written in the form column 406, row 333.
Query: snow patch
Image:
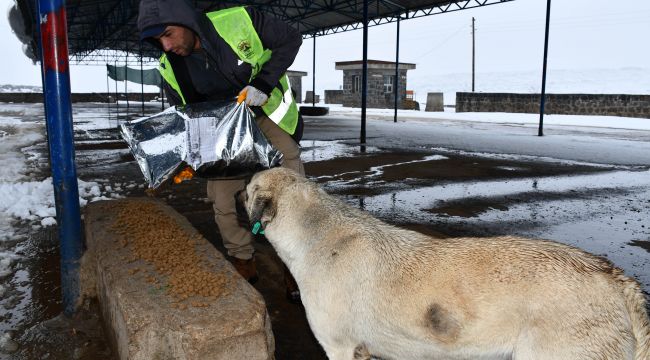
column 34, row 201
column 7, row 345
column 6, row 261
column 48, row 221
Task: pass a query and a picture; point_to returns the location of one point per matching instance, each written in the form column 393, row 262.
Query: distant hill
column 6, row 88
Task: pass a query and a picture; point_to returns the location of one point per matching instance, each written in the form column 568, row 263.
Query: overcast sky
column 585, row 34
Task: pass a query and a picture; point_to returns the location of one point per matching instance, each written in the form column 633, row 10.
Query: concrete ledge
column 157, row 309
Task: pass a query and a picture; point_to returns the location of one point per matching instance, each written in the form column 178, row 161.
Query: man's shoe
column 245, row 268
column 292, row 291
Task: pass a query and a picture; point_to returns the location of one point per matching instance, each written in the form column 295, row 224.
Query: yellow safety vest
column 234, row 25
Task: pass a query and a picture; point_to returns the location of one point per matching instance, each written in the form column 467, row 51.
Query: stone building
column 381, row 83
column 295, row 79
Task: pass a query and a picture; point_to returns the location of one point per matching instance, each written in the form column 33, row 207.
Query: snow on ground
column 33, row 201
column 614, row 122
column 14, row 135
column 26, row 199
column 23, row 198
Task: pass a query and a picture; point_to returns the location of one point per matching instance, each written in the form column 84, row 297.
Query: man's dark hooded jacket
column 214, row 72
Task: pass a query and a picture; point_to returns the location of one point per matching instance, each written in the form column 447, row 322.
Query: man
column 216, row 56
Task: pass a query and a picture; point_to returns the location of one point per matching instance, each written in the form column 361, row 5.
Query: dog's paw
column 361, row 352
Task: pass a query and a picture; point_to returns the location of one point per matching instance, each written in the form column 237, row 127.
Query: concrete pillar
column 309, row 95
column 435, row 102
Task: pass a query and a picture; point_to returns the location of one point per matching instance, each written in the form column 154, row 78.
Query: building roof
column 296, row 73
column 99, row 28
column 372, row 64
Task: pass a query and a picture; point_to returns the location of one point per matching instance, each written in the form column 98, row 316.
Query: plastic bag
column 216, row 139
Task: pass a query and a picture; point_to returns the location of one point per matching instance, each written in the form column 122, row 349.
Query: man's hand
column 254, row 97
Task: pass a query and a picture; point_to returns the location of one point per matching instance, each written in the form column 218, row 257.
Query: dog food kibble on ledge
column 152, row 235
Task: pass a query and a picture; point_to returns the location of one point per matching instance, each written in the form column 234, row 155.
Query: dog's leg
column 361, row 353
column 342, row 354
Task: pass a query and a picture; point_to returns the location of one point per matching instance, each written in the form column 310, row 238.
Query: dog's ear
column 263, row 207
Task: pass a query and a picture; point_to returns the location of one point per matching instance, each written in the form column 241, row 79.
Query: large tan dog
column 370, row 288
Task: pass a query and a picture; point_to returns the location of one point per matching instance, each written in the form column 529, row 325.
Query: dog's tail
column 636, row 306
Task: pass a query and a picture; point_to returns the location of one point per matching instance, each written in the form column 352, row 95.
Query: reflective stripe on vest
column 167, row 73
column 285, row 106
column 234, row 25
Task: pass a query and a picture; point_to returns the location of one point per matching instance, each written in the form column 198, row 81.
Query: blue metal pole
column 58, row 115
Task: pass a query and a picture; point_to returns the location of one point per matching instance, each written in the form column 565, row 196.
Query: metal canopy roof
column 101, row 31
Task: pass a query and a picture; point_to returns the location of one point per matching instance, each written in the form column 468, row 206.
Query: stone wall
column 569, row 104
column 376, row 98
column 333, row 96
column 75, row 97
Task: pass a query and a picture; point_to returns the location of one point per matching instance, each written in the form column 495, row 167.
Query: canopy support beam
column 396, row 84
column 542, row 102
column 60, row 139
column 364, row 74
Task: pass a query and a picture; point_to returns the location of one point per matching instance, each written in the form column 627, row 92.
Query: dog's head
column 261, row 195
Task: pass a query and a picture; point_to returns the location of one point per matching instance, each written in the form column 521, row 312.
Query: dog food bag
column 216, row 139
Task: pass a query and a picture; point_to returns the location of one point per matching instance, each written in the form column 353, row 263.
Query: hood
column 168, row 12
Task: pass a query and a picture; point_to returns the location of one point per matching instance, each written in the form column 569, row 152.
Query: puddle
column 368, row 168
column 411, row 201
column 644, row 244
column 388, row 170
column 474, row 206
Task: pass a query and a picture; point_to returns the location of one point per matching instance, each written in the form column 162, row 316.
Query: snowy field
column 20, row 88
column 611, row 122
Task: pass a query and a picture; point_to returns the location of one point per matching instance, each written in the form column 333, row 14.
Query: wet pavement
column 407, row 175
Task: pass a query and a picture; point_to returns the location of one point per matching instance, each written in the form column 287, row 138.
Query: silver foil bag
column 216, row 139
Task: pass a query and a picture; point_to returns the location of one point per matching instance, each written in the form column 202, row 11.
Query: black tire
column 314, row 110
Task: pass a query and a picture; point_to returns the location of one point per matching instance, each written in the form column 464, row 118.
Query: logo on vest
column 245, row 47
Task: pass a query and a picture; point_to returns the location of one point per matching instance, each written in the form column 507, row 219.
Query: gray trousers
column 237, row 240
